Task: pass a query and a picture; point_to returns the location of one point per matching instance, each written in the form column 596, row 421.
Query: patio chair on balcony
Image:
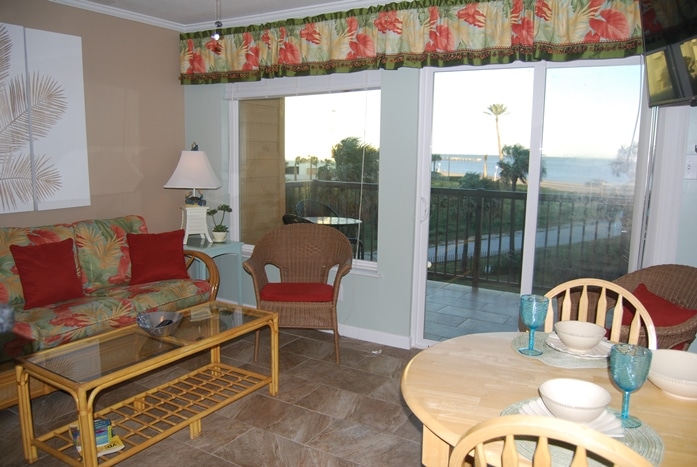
column 305, row 297
column 293, row 219
column 311, row 208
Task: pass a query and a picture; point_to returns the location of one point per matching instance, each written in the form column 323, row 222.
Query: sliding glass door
column 530, row 181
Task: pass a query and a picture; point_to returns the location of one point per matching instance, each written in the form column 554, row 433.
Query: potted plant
column 220, row 230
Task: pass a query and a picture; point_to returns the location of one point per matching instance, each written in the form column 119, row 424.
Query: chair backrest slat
column 574, row 299
column 484, row 440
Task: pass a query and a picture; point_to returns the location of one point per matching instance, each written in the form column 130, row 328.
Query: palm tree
column 298, row 160
column 515, row 167
column 496, row 110
column 435, row 158
column 314, row 162
column 356, row 161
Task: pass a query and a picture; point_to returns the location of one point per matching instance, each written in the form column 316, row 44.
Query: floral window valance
column 415, row 34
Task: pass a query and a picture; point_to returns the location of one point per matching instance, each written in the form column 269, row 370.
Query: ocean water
column 559, row 169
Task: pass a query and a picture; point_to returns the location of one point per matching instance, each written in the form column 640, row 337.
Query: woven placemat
column 554, row 357
column 643, row 440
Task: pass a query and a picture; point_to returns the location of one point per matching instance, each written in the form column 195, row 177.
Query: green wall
column 374, row 305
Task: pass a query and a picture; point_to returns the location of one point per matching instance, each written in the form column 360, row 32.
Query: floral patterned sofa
column 65, row 282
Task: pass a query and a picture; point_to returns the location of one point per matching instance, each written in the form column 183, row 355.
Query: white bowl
column 579, row 335
column 574, row 399
column 151, row 322
column 675, row 372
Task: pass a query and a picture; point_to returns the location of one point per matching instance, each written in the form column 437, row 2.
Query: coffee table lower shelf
column 153, row 415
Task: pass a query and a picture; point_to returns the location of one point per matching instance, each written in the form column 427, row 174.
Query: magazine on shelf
column 107, row 443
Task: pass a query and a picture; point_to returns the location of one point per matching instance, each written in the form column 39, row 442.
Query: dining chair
column 548, row 433
column 590, row 299
column 304, row 296
column 669, row 293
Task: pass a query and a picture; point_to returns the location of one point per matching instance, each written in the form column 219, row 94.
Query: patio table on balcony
column 333, row 221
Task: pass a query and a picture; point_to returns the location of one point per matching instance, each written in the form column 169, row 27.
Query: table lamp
column 194, row 172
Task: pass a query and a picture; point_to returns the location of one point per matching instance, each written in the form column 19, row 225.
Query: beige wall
column 134, row 109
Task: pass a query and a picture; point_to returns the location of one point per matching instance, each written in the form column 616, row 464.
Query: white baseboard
column 377, row 337
column 368, row 335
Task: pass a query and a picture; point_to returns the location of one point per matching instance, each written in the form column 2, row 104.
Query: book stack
column 107, row 442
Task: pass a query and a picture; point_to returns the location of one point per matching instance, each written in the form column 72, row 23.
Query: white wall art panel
column 43, row 144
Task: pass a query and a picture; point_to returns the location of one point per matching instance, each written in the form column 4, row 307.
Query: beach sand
column 597, row 188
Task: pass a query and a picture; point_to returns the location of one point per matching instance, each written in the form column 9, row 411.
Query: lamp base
column 194, row 222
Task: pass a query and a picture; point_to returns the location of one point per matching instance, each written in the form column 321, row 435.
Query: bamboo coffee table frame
column 149, row 417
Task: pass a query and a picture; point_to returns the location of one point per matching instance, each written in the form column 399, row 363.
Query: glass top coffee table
column 87, row 367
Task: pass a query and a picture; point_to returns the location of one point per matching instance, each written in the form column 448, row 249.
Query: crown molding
column 227, row 22
column 124, row 14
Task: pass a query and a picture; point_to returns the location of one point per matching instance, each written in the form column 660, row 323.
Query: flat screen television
column 670, row 51
column 671, row 74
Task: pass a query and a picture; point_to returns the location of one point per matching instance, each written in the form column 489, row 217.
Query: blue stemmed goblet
column 533, row 311
column 629, row 367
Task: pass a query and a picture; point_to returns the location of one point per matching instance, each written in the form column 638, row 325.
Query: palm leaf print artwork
column 29, row 109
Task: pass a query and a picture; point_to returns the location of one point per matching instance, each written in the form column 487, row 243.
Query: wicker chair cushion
column 663, row 313
column 297, row 292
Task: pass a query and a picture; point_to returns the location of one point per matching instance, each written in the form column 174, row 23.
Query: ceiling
column 198, row 15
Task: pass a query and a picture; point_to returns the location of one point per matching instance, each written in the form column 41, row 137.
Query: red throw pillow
column 663, row 313
column 157, row 257
column 297, row 292
column 47, row 272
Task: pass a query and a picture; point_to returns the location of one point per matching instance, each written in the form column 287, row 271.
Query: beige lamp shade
column 193, row 172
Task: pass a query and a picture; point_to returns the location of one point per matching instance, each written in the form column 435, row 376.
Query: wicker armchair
column 677, row 284
column 304, row 255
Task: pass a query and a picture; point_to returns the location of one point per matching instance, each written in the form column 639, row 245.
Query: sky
column 316, row 123
column 590, row 112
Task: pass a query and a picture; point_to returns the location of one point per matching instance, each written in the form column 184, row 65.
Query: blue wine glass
column 533, row 311
column 629, row 367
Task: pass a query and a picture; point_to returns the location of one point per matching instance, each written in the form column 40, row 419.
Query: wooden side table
column 218, row 249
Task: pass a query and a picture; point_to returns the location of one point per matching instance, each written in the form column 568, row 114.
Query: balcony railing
column 476, row 236
column 348, row 199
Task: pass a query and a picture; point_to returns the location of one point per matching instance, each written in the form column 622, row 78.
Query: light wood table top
column 458, row 383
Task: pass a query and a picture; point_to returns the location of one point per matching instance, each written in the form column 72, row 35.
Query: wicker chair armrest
column 213, row 274
column 340, row 273
column 257, row 269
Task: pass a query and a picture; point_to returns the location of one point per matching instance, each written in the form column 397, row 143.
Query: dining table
column 455, row 384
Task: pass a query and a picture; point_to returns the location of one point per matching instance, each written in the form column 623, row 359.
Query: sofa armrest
column 212, row 269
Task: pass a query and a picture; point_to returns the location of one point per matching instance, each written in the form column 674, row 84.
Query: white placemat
column 554, row 357
column 643, row 440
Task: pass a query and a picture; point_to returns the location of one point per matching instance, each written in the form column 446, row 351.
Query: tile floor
column 454, row 310
column 324, row 415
